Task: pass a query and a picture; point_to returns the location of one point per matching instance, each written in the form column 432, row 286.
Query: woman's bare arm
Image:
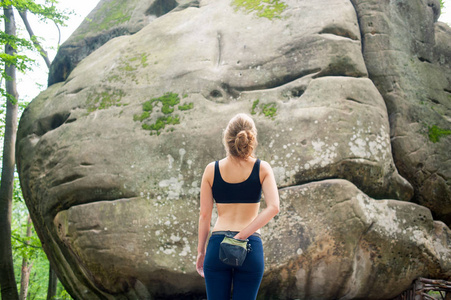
column 206, row 208
column 271, row 193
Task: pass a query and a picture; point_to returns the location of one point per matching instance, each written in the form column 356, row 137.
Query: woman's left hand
column 200, row 264
column 238, row 237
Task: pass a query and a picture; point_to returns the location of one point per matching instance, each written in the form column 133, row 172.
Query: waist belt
column 228, row 232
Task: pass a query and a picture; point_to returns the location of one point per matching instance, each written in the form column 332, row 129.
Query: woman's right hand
column 200, row 264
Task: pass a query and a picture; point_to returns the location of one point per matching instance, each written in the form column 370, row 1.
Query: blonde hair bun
column 240, row 136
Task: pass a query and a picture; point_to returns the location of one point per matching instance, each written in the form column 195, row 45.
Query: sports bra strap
column 247, row 191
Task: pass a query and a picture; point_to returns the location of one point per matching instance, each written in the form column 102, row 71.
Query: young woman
column 235, row 183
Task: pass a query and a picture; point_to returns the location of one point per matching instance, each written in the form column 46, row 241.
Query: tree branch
column 25, row 243
column 23, row 15
column 59, row 33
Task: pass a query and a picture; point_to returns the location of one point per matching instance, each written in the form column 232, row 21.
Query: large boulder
column 109, row 19
column 345, row 245
column 110, row 160
column 408, row 58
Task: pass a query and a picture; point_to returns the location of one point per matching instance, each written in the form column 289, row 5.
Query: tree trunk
column 7, row 280
column 26, row 266
column 23, row 15
column 53, row 282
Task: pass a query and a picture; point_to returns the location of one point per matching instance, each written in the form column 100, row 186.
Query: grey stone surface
column 109, row 19
column 331, row 241
column 114, row 194
column 407, row 56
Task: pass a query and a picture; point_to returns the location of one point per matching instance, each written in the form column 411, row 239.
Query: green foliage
column 112, row 13
column 141, row 117
column 186, row 106
column 23, row 246
column 167, row 104
column 166, row 109
column 254, row 106
column 442, row 4
column 45, row 12
column 161, row 123
column 269, row 9
column 267, row 109
column 127, row 67
column 104, row 100
column 15, row 42
column 144, row 60
column 148, row 106
column 37, row 288
column 435, row 133
column 22, row 62
column 167, row 101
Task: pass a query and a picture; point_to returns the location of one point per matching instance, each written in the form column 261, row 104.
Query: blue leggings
column 220, row 277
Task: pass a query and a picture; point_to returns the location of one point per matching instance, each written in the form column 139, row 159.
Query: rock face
column 346, row 245
column 110, row 19
column 415, row 80
column 110, row 160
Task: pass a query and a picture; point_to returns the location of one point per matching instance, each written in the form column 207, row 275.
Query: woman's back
column 236, row 171
column 236, row 215
column 235, row 183
column 237, row 212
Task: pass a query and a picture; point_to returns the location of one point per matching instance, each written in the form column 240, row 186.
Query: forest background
column 25, row 243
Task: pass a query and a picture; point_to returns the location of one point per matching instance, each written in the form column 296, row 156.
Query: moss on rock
column 435, row 133
column 269, row 9
column 254, row 106
column 186, row 106
column 104, row 100
column 112, row 14
column 167, row 104
column 267, row 109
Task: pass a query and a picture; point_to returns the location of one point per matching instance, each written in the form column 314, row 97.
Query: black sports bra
column 248, row 191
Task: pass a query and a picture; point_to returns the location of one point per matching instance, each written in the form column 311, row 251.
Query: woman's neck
column 237, row 160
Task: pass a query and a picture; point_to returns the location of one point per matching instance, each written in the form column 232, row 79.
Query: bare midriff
column 235, row 216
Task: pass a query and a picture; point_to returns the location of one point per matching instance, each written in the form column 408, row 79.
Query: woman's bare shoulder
column 265, row 165
column 209, row 173
column 210, row 167
column 265, row 169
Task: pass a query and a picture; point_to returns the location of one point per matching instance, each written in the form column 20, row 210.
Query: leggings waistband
column 225, row 232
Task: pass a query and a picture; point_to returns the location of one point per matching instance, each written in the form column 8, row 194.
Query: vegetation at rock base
column 30, row 247
column 167, row 104
column 269, row 9
column 435, row 133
